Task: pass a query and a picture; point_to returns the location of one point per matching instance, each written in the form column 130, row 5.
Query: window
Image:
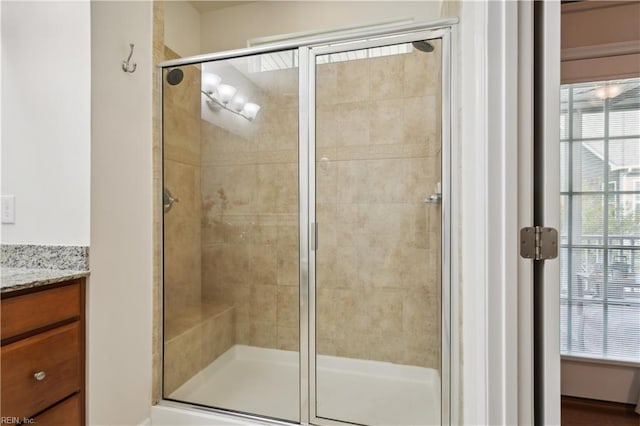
column 600, row 225
column 289, row 59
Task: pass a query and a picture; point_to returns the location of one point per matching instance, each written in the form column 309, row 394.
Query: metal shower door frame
column 308, row 222
column 308, row 49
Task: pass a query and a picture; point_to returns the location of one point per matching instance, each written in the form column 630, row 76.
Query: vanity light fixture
column 225, row 96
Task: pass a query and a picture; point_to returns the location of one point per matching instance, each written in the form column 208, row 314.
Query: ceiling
column 207, row 6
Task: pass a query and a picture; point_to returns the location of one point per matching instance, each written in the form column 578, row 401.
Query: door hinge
column 539, row 243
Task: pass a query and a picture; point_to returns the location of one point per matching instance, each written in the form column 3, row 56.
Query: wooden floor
column 581, row 412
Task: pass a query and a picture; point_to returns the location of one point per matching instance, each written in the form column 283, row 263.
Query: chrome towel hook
column 126, row 65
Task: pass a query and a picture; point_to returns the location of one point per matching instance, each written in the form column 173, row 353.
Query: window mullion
column 570, row 220
column 605, row 230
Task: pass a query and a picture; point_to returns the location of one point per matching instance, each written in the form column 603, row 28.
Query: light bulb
column 250, row 110
column 614, row 90
column 226, row 92
column 237, row 103
column 210, row 82
column 608, row 92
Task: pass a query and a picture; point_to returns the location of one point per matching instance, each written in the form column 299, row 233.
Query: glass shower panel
column 230, row 229
column 378, row 260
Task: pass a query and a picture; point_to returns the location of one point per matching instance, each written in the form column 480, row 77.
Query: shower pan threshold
column 265, row 382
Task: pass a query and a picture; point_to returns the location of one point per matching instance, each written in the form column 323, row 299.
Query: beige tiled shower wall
column 378, row 157
column 196, row 330
column 378, row 262
column 250, row 213
column 194, row 339
column 182, row 230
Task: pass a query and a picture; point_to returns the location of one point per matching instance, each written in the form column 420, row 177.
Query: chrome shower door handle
column 436, row 196
column 168, row 199
column 433, row 199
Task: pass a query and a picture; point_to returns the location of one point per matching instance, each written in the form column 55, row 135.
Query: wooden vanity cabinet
column 43, row 354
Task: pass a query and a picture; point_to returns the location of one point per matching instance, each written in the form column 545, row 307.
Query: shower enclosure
column 306, row 199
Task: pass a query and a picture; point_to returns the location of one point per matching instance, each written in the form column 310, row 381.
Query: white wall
column 182, row 28
column 229, row 28
column 1, row 56
column 120, row 288
column 46, row 70
column 601, row 380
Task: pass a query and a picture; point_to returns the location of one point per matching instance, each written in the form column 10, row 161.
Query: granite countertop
column 12, row 279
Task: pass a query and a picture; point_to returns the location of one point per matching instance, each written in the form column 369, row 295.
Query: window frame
column 611, row 198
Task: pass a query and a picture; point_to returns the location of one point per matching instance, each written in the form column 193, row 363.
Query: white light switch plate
column 8, row 209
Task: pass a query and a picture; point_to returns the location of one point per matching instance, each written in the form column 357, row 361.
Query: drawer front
column 28, row 312
column 67, row 413
column 56, row 353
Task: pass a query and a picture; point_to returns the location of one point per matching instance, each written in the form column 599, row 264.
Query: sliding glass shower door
column 306, row 197
column 231, row 315
column 376, row 209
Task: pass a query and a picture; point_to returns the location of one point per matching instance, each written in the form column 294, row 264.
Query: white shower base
column 265, row 382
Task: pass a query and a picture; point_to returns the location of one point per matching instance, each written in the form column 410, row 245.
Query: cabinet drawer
column 32, row 311
column 56, row 353
column 66, row 413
